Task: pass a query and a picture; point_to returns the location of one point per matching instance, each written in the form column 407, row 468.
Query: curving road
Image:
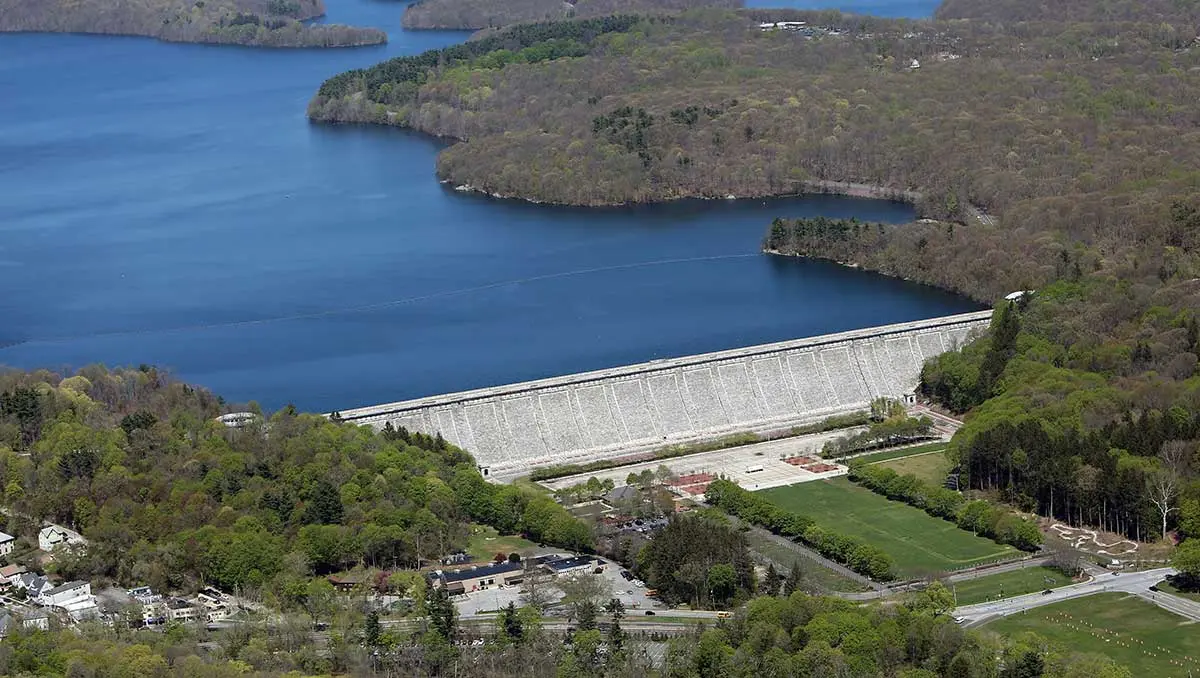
column 1136, row 583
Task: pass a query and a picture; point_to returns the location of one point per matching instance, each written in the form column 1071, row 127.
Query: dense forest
column 259, row 23
column 170, row 498
column 477, row 14
column 1077, row 141
column 1181, row 12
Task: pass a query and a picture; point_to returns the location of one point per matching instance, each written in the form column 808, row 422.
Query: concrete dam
column 633, row 409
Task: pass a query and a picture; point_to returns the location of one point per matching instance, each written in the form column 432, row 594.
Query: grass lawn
column 822, row 577
column 1147, row 639
column 1009, row 584
column 900, row 452
column 930, row 467
column 919, row 544
column 485, row 543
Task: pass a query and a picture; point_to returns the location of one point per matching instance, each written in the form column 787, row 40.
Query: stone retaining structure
column 616, row 412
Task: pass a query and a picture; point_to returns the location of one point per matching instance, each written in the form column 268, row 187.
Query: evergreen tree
column 510, row 623
column 585, row 615
column 794, row 580
column 772, row 581
column 324, row 505
column 372, row 630
column 440, row 612
column 616, row 635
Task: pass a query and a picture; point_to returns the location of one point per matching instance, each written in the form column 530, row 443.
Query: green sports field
column 1008, row 584
column 930, row 467
column 919, row 544
column 1147, row 639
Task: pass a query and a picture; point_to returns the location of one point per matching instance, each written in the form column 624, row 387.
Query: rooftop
column 66, row 587
column 6, row 537
column 485, row 571
column 570, row 563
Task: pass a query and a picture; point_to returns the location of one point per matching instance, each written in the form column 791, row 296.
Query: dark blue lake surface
column 170, row 204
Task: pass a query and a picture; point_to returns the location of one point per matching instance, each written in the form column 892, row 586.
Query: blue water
column 170, row 204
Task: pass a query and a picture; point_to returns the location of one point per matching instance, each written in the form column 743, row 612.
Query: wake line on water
column 346, row 310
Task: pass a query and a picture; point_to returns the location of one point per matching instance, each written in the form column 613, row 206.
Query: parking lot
column 694, row 471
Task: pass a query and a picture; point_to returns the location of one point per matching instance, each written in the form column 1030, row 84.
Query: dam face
column 616, row 412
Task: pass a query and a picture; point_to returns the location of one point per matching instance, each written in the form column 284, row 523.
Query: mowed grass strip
column 930, row 468
column 900, row 452
column 1133, row 632
column 1008, row 584
column 919, row 544
column 484, row 543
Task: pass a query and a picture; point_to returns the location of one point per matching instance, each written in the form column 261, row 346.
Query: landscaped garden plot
column 918, row 543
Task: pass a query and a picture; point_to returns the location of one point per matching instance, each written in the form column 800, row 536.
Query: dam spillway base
column 621, row 411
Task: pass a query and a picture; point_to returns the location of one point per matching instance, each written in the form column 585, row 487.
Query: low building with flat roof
column 567, row 565
column 475, row 578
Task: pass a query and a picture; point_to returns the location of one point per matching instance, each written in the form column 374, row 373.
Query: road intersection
column 1134, row 583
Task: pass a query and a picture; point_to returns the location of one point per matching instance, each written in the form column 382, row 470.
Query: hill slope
column 477, row 14
column 263, row 23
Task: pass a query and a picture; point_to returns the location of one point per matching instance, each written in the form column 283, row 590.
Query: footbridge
column 633, row 409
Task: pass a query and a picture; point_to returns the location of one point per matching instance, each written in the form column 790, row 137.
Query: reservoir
column 171, row 205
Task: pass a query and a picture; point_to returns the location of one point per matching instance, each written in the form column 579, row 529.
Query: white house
column 66, row 594
column 56, row 536
column 33, row 584
column 179, row 609
column 7, row 542
column 213, row 602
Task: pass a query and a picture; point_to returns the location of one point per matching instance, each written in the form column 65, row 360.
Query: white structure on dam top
column 609, row 413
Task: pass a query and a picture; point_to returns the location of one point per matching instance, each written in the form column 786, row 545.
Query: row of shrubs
column 981, row 517
column 858, row 555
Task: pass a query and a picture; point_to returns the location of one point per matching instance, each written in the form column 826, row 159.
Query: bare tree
column 536, row 585
column 1162, row 485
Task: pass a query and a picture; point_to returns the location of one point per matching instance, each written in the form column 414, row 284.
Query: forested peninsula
column 479, row 14
column 255, row 23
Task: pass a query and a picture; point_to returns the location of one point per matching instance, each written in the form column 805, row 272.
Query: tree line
column 480, row 14
column 257, row 23
column 979, row 517
column 862, row 557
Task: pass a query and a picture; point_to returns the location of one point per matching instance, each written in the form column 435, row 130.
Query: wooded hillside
column 1064, row 134
column 262, row 23
column 477, row 14
column 1181, row 12
column 169, row 497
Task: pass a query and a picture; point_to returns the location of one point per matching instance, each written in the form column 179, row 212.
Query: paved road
column 1132, row 582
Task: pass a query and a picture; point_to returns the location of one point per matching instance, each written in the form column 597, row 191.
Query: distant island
column 479, row 14
column 255, row 23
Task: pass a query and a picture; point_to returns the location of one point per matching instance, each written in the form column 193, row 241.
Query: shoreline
column 213, row 43
column 840, row 188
